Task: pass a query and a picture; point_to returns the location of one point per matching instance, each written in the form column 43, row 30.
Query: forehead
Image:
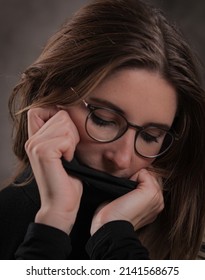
column 143, row 96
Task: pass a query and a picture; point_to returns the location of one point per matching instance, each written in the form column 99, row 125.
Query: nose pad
column 121, row 151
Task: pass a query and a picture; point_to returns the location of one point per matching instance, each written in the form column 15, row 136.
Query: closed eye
column 148, row 137
column 100, row 121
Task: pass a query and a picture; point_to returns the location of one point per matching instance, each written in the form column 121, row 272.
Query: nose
column 120, row 152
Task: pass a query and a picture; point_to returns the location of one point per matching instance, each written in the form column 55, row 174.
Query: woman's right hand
column 52, row 135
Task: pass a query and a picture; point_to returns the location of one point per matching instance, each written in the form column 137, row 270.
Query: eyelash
column 99, row 121
column 149, row 138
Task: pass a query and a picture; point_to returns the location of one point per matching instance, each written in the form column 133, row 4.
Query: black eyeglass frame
column 138, row 129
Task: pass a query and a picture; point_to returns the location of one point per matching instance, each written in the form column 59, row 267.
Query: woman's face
column 144, row 98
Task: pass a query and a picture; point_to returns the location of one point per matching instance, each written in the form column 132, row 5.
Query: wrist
column 60, row 220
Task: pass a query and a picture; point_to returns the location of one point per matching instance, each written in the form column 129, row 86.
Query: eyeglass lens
column 106, row 126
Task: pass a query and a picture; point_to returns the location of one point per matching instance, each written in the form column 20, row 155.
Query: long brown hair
column 102, row 37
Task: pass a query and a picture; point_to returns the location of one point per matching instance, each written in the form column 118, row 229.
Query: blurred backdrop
column 25, row 26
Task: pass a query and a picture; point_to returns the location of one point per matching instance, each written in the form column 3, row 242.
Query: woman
column 116, row 92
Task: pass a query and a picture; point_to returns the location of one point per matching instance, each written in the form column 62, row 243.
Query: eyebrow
column 112, row 106
column 107, row 104
column 159, row 125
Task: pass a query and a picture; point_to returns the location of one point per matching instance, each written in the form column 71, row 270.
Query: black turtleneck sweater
column 22, row 238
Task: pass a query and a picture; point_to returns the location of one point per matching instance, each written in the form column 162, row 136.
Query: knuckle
column 32, row 112
column 69, row 127
column 63, row 115
column 158, row 200
column 160, row 206
column 28, row 146
column 33, row 148
column 73, row 139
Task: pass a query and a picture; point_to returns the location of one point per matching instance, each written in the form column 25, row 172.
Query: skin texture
column 144, row 98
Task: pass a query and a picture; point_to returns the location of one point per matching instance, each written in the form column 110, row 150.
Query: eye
column 98, row 120
column 102, row 117
column 152, row 134
column 148, row 137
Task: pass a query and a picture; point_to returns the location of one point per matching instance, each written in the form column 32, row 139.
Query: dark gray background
column 25, row 26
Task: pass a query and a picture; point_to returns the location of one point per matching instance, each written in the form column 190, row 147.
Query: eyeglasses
column 106, row 125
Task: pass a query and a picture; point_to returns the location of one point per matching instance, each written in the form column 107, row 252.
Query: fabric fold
column 112, row 185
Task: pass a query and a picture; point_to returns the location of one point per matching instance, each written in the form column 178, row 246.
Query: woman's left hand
column 140, row 206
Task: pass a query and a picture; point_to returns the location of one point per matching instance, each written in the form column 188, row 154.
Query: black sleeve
column 17, row 211
column 116, row 240
column 20, row 237
column 44, row 242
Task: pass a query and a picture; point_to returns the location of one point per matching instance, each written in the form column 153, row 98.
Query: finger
column 52, row 149
column 37, row 117
column 144, row 175
column 59, row 124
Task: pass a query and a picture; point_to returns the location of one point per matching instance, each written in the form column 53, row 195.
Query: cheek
column 85, row 145
column 79, row 121
column 82, row 133
column 145, row 163
column 89, row 153
column 139, row 163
